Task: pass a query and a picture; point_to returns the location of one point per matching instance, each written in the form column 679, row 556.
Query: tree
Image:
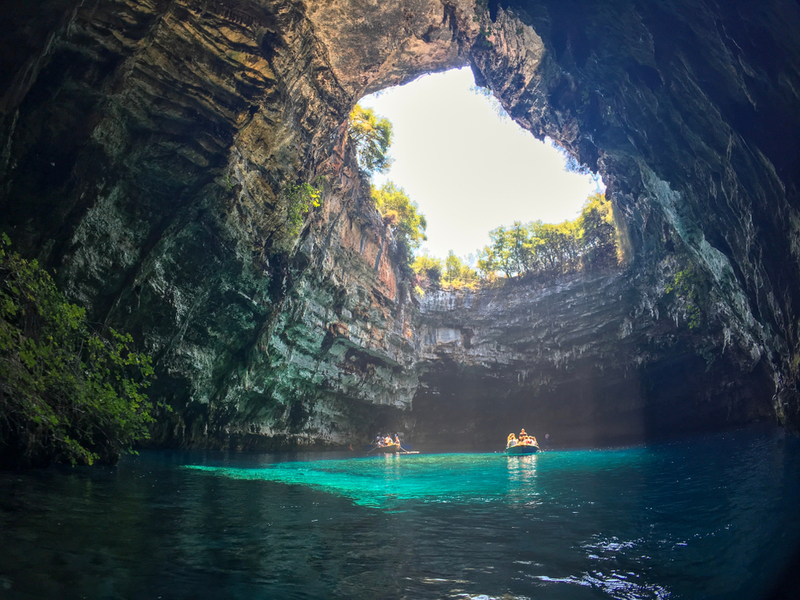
column 458, row 273
column 403, row 217
column 500, row 251
column 520, row 248
column 300, row 199
column 67, row 394
column 428, row 269
column 598, row 236
column 487, row 266
column 554, row 245
column 570, row 232
column 452, row 267
column 586, row 243
column 372, row 137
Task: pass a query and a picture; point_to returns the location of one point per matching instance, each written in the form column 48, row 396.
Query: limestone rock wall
column 690, row 110
column 603, row 358
column 147, row 146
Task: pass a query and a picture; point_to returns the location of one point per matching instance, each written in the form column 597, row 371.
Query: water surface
column 712, row 517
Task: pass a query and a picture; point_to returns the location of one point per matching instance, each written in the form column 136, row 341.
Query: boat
column 523, row 448
column 386, row 449
column 525, row 445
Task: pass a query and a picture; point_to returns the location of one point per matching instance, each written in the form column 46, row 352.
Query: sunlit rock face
column 147, row 146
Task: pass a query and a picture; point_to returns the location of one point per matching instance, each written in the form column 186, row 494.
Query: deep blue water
column 712, row 517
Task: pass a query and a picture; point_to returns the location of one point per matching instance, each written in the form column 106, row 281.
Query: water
column 714, row 517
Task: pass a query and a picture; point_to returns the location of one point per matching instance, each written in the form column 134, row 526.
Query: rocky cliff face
column 690, row 111
column 588, row 360
column 149, row 148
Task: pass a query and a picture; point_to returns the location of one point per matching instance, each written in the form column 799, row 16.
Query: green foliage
column 458, row 273
column 588, row 243
column 428, row 270
column 403, row 217
column 482, row 41
column 599, row 238
column 453, row 272
column 301, row 198
column 585, row 244
column 452, row 267
column 687, row 288
column 372, row 137
column 66, row 393
column 533, row 248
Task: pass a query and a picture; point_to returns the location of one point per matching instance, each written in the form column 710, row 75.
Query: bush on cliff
column 428, row 270
column 402, row 216
column 372, row 136
column 67, row 394
column 300, row 199
column 458, row 274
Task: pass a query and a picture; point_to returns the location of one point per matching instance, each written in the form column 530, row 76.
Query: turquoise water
column 394, row 481
column 713, row 517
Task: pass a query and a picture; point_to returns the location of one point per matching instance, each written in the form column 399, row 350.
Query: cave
column 147, row 148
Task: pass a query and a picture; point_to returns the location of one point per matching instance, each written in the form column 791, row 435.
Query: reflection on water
column 522, row 479
column 708, row 518
column 522, row 469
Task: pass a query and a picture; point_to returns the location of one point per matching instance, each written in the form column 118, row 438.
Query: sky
column 469, row 169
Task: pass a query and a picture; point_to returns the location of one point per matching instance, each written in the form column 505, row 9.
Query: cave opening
column 472, row 170
column 470, row 167
column 510, row 365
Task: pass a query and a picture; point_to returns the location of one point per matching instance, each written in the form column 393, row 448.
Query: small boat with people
column 525, row 444
column 386, row 449
column 387, row 445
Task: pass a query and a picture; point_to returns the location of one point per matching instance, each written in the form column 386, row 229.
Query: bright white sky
column 468, row 169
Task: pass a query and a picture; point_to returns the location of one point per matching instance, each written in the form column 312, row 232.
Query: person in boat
column 523, row 437
column 511, row 441
column 387, row 441
column 397, row 439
